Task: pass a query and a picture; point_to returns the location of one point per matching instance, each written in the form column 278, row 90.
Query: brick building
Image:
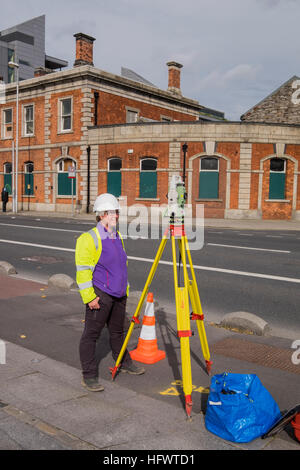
column 236, row 169
column 55, row 112
column 125, row 136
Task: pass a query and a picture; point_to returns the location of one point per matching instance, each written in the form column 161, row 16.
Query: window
column 132, row 115
column 148, row 178
column 28, row 179
column 65, row 115
column 114, row 177
column 28, row 119
column 209, row 178
column 7, row 124
column 8, row 177
column 65, row 186
column 277, row 178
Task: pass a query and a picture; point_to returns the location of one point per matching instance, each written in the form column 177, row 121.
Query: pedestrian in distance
column 102, row 278
column 4, row 198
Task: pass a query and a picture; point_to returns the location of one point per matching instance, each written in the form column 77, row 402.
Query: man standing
column 101, row 265
column 4, row 198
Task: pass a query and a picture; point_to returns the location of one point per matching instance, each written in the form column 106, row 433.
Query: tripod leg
column 184, row 331
column 139, row 306
column 197, row 311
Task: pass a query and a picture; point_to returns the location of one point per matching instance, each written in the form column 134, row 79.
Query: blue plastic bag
column 239, row 407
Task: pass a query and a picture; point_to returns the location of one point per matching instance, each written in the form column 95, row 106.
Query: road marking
column 248, row 248
column 169, row 263
column 273, row 236
column 42, row 228
column 48, row 247
column 174, row 392
column 246, row 234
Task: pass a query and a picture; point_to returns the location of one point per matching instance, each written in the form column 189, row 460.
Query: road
column 256, row 271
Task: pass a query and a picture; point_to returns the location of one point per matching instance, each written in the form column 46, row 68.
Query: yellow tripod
column 182, row 296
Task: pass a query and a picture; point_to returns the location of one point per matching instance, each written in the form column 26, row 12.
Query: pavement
column 44, row 407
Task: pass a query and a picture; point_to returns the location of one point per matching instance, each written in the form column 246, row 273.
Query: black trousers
column 4, row 206
column 112, row 313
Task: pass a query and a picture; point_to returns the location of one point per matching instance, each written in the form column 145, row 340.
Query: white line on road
column 169, row 263
column 43, row 228
column 48, row 247
column 248, row 248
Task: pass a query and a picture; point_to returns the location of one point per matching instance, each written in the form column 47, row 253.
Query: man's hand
column 94, row 304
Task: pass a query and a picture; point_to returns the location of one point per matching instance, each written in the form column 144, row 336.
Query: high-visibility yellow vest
column 87, row 254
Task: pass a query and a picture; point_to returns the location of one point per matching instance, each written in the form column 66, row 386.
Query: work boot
column 132, row 369
column 92, row 384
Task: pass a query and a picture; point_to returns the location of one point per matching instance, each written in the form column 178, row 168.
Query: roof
column 271, row 94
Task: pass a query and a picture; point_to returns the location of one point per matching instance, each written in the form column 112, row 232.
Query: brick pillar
column 174, row 77
column 84, row 49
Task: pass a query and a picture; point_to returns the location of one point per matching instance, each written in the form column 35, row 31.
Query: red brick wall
column 130, row 179
column 112, row 110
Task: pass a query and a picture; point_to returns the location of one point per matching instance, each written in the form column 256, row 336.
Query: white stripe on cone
column 148, row 332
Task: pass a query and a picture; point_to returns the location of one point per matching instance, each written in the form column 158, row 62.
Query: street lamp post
column 15, row 65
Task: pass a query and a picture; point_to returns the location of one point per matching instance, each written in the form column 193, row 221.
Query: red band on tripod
column 196, row 316
column 184, row 333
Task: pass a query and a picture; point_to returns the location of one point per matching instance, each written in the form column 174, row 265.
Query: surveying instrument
column 188, row 292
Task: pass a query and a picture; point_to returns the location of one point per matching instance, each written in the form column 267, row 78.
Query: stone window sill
column 209, row 200
column 277, row 200
column 147, row 199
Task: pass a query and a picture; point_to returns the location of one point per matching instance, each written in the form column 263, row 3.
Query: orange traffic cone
column 147, row 351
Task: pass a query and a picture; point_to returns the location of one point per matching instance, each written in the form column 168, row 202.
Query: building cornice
column 95, row 76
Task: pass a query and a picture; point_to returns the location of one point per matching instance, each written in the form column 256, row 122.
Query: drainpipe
column 96, row 98
column 88, row 178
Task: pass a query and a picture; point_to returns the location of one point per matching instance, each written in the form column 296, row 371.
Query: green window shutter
column 209, row 185
column 64, row 186
column 148, row 184
column 29, row 180
column 7, row 182
column 114, row 183
column 277, row 186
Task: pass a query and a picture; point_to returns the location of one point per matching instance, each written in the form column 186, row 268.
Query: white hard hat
column 106, row 202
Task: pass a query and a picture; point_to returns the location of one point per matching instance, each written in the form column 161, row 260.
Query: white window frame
column 60, row 166
column 132, row 110
column 109, row 161
column 26, row 165
column 25, row 133
column 147, row 159
column 4, row 124
column 61, row 117
column 210, row 156
column 284, row 166
column 5, row 168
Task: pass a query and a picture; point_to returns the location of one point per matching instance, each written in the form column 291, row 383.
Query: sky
column 234, row 52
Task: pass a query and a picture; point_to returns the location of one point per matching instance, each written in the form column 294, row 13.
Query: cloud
column 274, row 3
column 240, row 74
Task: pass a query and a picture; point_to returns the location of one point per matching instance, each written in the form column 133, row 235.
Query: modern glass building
column 25, row 43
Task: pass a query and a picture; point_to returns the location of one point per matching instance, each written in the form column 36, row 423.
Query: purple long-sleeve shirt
column 110, row 274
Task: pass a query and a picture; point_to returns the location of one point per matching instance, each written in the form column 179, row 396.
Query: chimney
column 40, row 71
column 84, row 49
column 174, row 77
